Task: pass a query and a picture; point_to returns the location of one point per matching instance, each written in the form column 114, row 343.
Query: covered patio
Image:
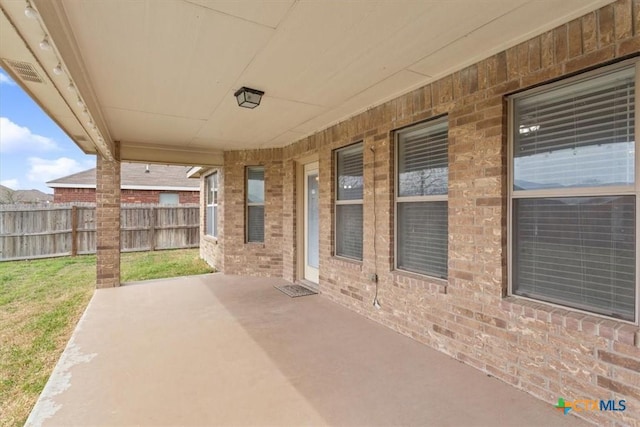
column 386, row 166
column 232, row 350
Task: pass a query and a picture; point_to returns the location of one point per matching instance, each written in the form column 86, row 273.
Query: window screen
column 574, row 238
column 421, row 201
column 349, row 187
column 255, row 204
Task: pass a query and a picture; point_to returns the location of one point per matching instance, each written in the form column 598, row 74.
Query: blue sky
column 33, row 149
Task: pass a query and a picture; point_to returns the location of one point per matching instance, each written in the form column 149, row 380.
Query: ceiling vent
column 25, row 71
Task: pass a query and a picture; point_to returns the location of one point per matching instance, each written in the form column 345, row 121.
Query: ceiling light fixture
column 57, row 70
column 44, row 44
column 248, row 98
column 79, row 103
column 71, row 87
column 30, row 11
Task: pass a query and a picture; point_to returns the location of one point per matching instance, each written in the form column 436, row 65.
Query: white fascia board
column 65, row 185
column 128, row 187
column 159, row 188
column 195, row 172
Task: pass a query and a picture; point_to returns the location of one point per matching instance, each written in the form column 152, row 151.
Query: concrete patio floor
column 228, row 350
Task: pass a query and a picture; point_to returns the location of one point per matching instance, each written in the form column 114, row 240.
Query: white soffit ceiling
column 16, row 56
column 264, row 12
column 164, row 72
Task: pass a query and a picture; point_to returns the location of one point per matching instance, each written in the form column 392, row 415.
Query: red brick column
column 108, row 221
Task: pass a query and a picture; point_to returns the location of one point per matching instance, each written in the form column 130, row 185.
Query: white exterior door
column 311, row 223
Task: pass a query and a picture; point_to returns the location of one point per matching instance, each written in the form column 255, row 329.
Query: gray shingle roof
column 134, row 174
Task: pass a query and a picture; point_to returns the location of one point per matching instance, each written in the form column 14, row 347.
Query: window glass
column 581, row 135
column 423, row 164
column 421, row 200
column 255, row 185
column 577, row 250
column 349, row 190
column 169, row 199
column 255, row 204
column 574, row 243
column 255, row 229
column 212, row 204
column 349, row 231
column 423, row 238
column 350, row 181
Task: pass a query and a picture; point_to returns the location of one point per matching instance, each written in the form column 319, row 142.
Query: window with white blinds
column 255, row 204
column 573, row 208
column 349, row 186
column 421, row 198
column 211, row 189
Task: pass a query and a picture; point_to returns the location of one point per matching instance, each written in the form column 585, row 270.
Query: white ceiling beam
column 170, row 155
column 57, row 26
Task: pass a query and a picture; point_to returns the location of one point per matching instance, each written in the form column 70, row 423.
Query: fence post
column 74, row 230
column 152, row 229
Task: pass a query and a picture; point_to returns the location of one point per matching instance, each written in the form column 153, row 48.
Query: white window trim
column 405, row 199
column 346, row 202
column 213, row 205
column 625, row 190
column 251, row 204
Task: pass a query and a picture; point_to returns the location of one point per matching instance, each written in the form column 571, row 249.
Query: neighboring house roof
column 134, row 176
column 7, row 195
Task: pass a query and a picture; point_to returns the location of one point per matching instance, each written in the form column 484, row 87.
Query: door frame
column 300, row 220
column 311, row 274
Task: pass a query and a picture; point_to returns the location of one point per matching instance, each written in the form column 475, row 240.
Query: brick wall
column 153, row 196
column 70, row 195
column 212, row 248
column 547, row 351
column 239, row 257
column 108, row 221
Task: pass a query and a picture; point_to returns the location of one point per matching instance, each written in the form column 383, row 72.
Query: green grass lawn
column 40, row 304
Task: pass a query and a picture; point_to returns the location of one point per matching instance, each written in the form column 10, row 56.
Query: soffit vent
column 25, row 71
column 80, row 138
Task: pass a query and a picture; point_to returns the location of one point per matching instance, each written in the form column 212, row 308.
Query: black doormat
column 295, row 291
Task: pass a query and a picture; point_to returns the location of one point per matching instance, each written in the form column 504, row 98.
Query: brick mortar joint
column 432, row 284
column 536, row 310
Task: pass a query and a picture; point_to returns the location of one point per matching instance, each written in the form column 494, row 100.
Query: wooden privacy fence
column 28, row 232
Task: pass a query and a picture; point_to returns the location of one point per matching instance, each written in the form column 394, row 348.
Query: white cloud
column 43, row 170
column 4, row 79
column 14, row 137
column 11, row 183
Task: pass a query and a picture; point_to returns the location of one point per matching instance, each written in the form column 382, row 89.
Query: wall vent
column 25, row 71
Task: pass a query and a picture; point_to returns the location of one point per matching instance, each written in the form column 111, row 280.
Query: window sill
column 211, row 239
column 414, row 281
column 573, row 320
